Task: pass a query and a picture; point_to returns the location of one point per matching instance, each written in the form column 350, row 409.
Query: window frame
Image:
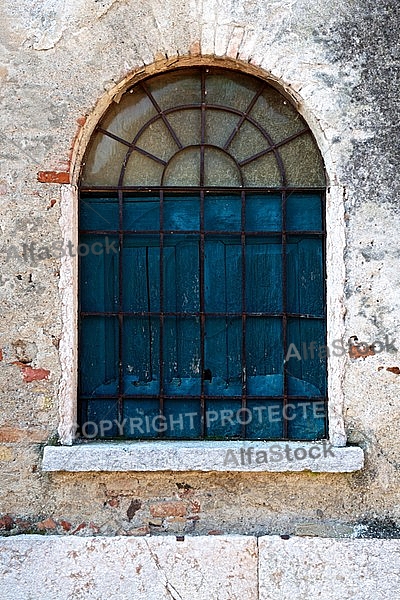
column 231, row 99
column 58, row 458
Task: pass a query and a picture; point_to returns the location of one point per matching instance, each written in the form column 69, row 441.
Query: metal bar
column 324, row 242
column 130, row 145
column 82, row 418
column 202, row 319
column 182, row 189
column 149, row 314
column 113, row 136
column 208, row 232
column 120, row 307
column 152, row 156
column 161, row 315
column 202, row 245
column 273, row 147
column 188, row 314
column 284, row 318
column 244, row 321
column 138, row 397
column 203, row 126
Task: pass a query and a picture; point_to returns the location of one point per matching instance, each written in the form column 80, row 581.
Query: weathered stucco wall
column 58, row 62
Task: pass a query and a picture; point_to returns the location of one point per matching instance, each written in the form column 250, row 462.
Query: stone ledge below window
column 279, row 456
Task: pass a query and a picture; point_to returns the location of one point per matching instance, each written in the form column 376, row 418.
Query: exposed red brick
column 215, row 532
column 361, row 351
column 53, row 177
column 66, row 525
column 113, row 502
column 195, row 49
column 138, row 531
column 195, row 506
column 394, row 370
column 6, row 523
column 168, row 509
column 14, row 434
column 176, row 520
column 81, row 121
column 31, row 374
column 22, row 524
column 1, row 354
column 47, row 524
column 79, row 528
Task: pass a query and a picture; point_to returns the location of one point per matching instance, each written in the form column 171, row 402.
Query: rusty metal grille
column 193, row 225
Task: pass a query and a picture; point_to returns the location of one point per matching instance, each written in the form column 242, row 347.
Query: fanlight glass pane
column 303, row 163
column 176, row 88
column 187, row 125
column 262, row 172
column 142, row 170
column 276, row 115
column 219, row 126
column 247, row 142
column 226, row 88
column 127, row 117
column 158, row 141
column 104, row 161
column 183, row 169
column 220, row 169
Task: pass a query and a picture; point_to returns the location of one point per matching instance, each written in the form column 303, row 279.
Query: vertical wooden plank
column 98, row 274
column 264, row 275
column 99, row 356
column 305, row 276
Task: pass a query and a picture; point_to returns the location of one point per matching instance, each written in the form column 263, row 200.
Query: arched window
column 202, row 286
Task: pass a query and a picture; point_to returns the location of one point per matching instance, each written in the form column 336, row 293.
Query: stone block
column 128, row 568
column 312, row 568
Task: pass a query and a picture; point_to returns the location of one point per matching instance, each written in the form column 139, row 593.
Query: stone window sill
column 250, row 456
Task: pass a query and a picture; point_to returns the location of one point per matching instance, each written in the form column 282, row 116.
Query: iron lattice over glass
column 202, row 278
